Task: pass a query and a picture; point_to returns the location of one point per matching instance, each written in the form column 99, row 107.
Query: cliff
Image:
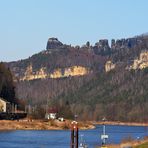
column 30, row 75
column 109, row 66
column 70, row 71
column 57, row 73
column 141, row 62
column 53, row 43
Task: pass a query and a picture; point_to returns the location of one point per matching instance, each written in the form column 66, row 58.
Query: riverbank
column 40, row 125
column 132, row 144
column 119, row 123
column 27, row 124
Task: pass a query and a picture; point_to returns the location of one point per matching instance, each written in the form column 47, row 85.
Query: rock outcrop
column 31, row 75
column 141, row 62
column 124, row 43
column 109, row 66
column 101, row 47
column 57, row 73
column 70, row 71
column 53, row 43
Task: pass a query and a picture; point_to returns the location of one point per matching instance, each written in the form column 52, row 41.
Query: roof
column 52, row 110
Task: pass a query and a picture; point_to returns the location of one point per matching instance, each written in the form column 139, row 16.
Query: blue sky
column 26, row 25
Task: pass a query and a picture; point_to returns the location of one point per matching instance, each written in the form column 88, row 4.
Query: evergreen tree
column 7, row 89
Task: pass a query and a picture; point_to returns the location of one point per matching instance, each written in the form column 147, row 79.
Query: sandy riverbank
column 26, row 124
column 40, row 125
column 120, row 123
column 132, row 144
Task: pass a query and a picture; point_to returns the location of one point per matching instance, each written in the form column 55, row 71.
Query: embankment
column 120, row 123
column 132, row 144
column 26, row 124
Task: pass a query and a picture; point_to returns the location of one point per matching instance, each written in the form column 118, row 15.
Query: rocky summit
column 53, row 43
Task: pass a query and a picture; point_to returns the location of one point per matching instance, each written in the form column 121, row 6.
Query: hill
column 94, row 80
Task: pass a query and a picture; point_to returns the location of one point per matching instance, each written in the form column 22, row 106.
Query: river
column 61, row 138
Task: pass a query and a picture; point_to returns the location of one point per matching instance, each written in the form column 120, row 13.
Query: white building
column 5, row 106
column 51, row 114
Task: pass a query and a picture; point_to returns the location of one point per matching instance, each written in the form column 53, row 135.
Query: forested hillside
column 116, row 95
column 113, row 82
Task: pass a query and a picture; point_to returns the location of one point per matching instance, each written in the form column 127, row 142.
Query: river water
column 61, row 138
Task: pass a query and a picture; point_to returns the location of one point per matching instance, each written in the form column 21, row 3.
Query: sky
column 26, row 25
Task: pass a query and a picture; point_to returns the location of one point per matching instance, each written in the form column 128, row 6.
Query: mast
column 104, row 136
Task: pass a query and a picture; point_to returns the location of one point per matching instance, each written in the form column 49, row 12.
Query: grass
column 144, row 145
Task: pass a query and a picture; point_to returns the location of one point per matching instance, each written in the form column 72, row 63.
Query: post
column 104, row 136
column 74, row 135
column 104, row 133
column 72, row 138
column 77, row 137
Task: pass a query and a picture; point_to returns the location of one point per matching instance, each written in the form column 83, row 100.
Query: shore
column 133, row 144
column 40, row 125
column 119, row 123
column 27, row 124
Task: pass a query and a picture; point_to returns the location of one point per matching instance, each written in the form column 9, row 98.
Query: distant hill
column 95, row 80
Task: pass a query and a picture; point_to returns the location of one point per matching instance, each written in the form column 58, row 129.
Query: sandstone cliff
column 57, row 73
column 141, row 62
column 53, row 43
column 109, row 66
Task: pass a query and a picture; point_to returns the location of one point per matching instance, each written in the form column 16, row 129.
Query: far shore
column 119, row 123
column 27, row 124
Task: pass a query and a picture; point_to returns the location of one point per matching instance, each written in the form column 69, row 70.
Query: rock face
column 57, row 73
column 113, row 43
column 109, row 66
column 70, row 71
column 53, row 43
column 141, row 62
column 124, row 43
column 101, row 47
column 31, row 75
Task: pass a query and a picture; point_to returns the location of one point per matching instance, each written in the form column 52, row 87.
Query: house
column 51, row 113
column 5, row 106
column 61, row 119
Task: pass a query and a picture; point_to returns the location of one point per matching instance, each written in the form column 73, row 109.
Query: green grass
column 145, row 145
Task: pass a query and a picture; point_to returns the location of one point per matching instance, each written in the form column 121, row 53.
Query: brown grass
column 39, row 125
column 132, row 143
column 121, row 123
